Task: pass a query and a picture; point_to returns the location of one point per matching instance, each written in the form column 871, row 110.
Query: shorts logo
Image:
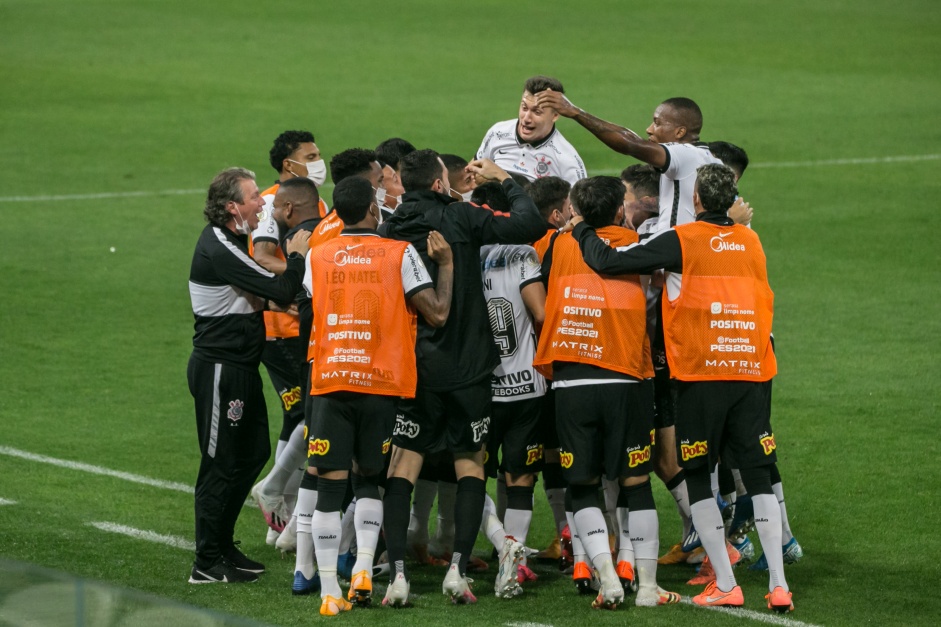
column 636, row 458
column 696, row 449
column 481, row 428
column 290, row 398
column 534, row 454
column 405, row 427
column 318, row 447
column 486, row 456
column 653, row 437
column 386, row 446
column 566, row 459
column 767, row 443
column 235, row 410
column 716, row 308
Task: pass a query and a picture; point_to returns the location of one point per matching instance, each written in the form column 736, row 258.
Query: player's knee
column 365, row 486
column 330, row 493
column 584, row 496
column 698, row 483
column 757, row 480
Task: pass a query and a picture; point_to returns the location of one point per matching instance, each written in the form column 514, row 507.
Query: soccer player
column 595, row 346
column 366, row 290
column 717, row 330
column 451, row 409
column 462, row 180
column 530, row 144
column 294, row 154
column 228, row 291
column 390, row 153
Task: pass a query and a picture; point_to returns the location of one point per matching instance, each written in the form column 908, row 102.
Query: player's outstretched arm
column 435, row 304
column 617, row 138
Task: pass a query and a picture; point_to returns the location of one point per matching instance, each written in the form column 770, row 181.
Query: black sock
column 396, row 512
column 468, row 512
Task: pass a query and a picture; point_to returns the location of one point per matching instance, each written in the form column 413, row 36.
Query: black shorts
column 286, row 371
column 515, row 444
column 664, row 399
column 605, row 427
column 347, row 426
column 547, row 430
column 457, row 420
column 723, row 418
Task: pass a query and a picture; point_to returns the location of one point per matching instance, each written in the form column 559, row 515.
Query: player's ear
column 680, row 132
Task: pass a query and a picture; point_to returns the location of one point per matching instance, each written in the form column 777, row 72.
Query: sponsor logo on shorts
column 290, row 398
column 767, row 443
column 638, row 457
column 653, row 437
column 406, row 428
column 236, row 409
column 481, row 428
column 566, row 459
column 533, row 454
column 696, row 449
column 486, row 457
column 305, row 432
column 318, row 447
column 386, row 446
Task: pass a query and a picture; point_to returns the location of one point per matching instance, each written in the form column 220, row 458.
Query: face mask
column 466, row 196
column 378, row 214
column 380, row 196
column 241, row 226
column 316, row 170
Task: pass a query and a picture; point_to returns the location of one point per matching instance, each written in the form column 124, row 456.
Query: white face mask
column 380, row 196
column 316, row 170
column 467, row 195
column 241, row 226
column 378, row 214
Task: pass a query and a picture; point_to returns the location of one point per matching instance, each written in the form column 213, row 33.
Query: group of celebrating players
column 447, row 321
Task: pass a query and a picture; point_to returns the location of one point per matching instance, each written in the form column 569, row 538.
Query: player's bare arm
column 264, row 253
column 435, row 304
column 486, row 170
column 617, row 138
column 534, row 297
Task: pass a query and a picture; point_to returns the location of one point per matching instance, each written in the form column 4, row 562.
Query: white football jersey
column 506, row 270
column 553, row 156
column 677, row 182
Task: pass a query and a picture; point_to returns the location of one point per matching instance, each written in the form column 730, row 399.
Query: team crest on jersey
column 542, row 165
column 566, row 459
column 236, row 409
column 767, row 444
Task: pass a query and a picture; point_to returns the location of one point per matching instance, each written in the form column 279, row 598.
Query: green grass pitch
column 113, row 113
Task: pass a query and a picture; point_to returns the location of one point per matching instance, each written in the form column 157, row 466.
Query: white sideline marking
column 96, row 470
column 526, row 624
column 142, row 534
column 769, row 618
column 609, row 172
column 7, row 502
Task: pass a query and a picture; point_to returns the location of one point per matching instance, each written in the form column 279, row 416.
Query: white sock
column 578, row 550
column 595, row 540
column 786, row 535
column 768, row 524
column 681, row 496
column 444, row 533
column 348, row 528
column 292, row 486
column 490, row 525
column 291, row 458
column 625, row 548
column 368, row 522
column 325, row 527
column 644, row 529
column 517, row 523
column 279, row 448
column 306, row 502
column 711, row 530
column 556, row 498
column 423, row 497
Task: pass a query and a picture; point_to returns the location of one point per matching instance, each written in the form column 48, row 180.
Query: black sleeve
column 238, row 269
column 523, row 225
column 547, row 259
column 662, row 251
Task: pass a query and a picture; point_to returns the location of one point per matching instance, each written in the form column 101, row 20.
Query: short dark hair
column 225, row 186
column 715, row 184
column 454, row 163
column 643, row 179
column 285, row 144
column 391, row 151
column 302, row 190
column 536, row 84
column 420, row 170
column 549, row 194
column 598, row 199
column 491, row 194
column 352, row 198
column 689, row 114
column 351, row 162
column 731, row 155
column 521, row 180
